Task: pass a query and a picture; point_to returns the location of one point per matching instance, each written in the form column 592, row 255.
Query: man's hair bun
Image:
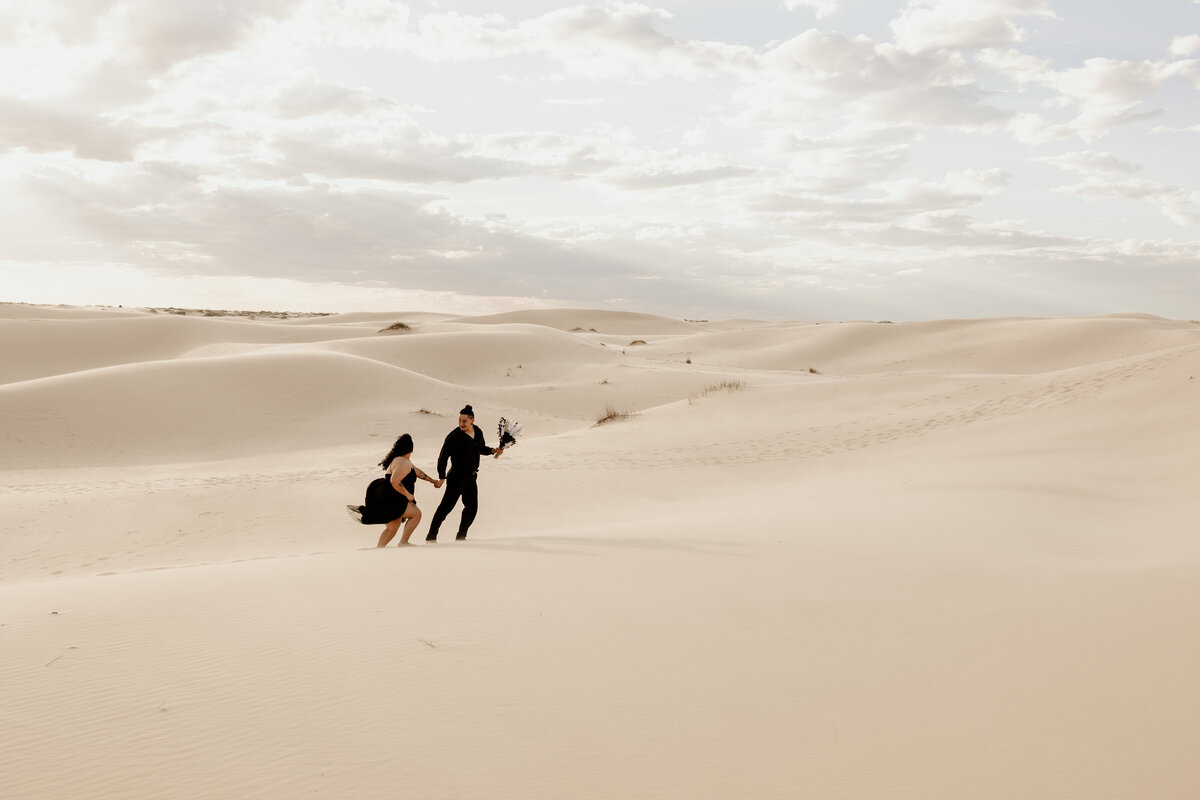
column 470, row 412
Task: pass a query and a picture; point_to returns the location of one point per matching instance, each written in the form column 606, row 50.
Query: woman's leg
column 389, row 532
column 413, row 515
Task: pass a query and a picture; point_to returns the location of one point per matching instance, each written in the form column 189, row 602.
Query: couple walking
column 391, row 500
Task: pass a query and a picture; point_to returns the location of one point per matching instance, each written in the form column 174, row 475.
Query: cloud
column 1021, row 68
column 667, row 178
column 1093, row 163
column 1177, row 203
column 852, row 158
column 582, row 153
column 963, row 24
column 42, row 128
column 319, row 233
column 816, row 74
column 895, row 200
column 1183, row 46
column 611, row 156
column 346, row 24
column 1104, row 93
column 614, row 40
column 823, row 8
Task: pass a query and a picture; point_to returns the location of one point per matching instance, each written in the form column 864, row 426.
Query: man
column 462, row 449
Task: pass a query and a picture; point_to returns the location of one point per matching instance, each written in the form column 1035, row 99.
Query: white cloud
column 1184, row 45
column 1103, row 92
column 1021, row 68
column 816, row 74
column 963, row 24
column 823, row 8
column 40, row 128
column 1107, row 91
column 895, row 200
column 373, row 143
column 613, row 40
column 851, row 158
column 1093, row 163
column 1177, row 203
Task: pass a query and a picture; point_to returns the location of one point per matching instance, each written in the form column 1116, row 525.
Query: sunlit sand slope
column 729, row 559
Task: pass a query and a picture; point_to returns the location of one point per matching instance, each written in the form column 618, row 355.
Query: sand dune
column 588, row 320
column 956, row 560
column 35, row 348
column 952, row 346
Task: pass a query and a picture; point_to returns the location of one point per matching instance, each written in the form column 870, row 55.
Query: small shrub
column 636, row 341
column 396, row 326
column 814, row 370
column 611, row 412
column 716, row 387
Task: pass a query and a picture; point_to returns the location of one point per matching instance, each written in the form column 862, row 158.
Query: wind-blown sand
column 953, row 559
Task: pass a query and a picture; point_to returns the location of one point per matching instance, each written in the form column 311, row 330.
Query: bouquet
column 508, row 432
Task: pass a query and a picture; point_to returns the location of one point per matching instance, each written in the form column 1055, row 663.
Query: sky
column 772, row 159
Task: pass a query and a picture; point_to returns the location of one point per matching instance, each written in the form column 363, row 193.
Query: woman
column 391, row 499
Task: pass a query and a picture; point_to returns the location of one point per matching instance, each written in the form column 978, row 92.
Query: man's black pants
column 468, row 489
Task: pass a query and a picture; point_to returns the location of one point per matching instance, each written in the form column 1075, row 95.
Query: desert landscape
column 728, row 559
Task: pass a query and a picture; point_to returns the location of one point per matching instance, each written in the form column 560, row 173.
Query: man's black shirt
column 463, row 451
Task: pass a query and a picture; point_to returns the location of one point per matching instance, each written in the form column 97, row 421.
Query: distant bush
column 636, row 341
column 717, row 387
column 611, row 412
column 396, row 326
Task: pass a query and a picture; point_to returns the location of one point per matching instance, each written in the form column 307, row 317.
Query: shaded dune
column 38, row 347
column 954, row 346
column 482, row 355
column 193, row 409
column 567, row 319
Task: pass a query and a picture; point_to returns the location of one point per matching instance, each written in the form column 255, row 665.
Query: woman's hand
column 438, row 483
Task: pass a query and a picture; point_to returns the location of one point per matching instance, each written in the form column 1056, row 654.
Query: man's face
column 464, row 423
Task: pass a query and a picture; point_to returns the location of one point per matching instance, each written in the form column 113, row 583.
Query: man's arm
column 484, row 450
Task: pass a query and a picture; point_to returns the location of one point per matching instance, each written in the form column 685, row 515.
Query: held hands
column 438, row 483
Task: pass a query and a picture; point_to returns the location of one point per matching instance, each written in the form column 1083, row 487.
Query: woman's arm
column 400, row 473
column 423, row 476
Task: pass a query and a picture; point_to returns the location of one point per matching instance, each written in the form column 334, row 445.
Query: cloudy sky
column 809, row 159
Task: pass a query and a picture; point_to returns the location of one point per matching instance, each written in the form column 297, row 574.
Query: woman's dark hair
column 470, row 412
column 402, row 447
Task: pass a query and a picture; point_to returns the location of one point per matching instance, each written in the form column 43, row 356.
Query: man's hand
column 499, row 450
column 438, row 483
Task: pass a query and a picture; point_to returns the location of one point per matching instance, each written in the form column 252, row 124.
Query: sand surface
column 954, row 559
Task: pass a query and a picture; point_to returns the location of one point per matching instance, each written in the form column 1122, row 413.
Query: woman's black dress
column 383, row 503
